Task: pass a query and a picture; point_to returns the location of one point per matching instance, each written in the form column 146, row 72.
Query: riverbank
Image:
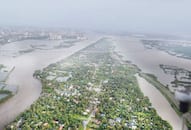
column 160, row 103
column 30, row 88
column 149, row 60
column 91, row 89
column 132, row 50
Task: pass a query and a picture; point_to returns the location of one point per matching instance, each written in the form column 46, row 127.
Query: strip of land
column 160, row 103
column 91, row 89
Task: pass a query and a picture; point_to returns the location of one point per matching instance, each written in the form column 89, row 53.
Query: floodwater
column 3, row 96
column 162, row 106
column 148, row 60
column 30, row 88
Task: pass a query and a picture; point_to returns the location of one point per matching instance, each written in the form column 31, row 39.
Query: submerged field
column 15, row 49
column 176, row 48
column 92, row 89
column 6, row 91
column 29, row 88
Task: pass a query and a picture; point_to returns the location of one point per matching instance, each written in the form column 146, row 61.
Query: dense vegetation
column 92, row 89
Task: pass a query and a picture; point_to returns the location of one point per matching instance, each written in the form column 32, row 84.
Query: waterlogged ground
column 29, row 89
column 91, row 89
column 160, row 103
column 6, row 91
column 176, row 48
column 149, row 60
column 18, row 48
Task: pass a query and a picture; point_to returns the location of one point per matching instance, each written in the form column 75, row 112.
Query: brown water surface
column 30, row 88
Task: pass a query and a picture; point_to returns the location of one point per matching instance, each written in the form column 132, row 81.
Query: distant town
column 8, row 35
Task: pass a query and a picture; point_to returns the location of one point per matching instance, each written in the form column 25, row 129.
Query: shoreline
column 149, row 60
column 172, row 117
column 126, row 72
column 34, row 84
column 162, row 106
column 30, row 88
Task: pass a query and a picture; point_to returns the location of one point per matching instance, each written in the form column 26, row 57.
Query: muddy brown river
column 29, row 88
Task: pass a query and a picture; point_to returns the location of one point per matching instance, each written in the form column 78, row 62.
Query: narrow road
column 89, row 119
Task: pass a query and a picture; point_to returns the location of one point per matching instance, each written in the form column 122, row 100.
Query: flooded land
column 92, row 89
column 25, row 64
column 150, row 59
column 6, row 90
column 170, row 68
column 95, row 65
column 91, row 83
column 160, row 103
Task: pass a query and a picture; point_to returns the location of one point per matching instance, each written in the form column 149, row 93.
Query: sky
column 150, row 16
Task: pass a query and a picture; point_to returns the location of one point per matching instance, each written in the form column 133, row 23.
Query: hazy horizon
column 157, row 16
